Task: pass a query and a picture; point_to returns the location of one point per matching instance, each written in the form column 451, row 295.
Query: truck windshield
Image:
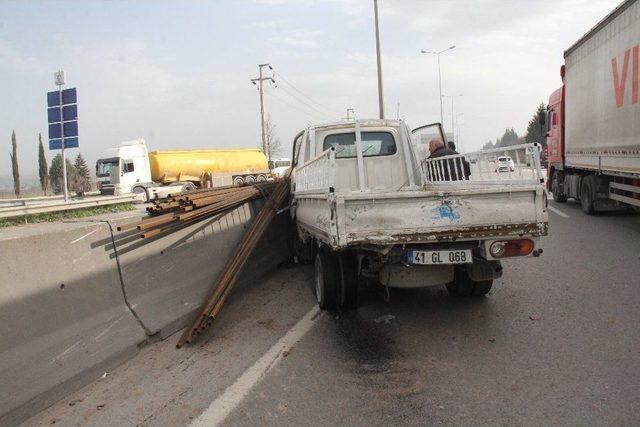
column 373, row 144
column 104, row 166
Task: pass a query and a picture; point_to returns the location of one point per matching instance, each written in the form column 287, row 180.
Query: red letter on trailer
column 620, row 83
column 634, row 74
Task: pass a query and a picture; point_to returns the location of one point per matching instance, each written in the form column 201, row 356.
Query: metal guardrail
column 25, row 201
column 16, row 211
column 512, row 165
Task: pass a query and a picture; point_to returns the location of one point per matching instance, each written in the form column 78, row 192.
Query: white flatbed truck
column 367, row 207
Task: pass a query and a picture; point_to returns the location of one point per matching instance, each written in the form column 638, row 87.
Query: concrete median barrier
column 167, row 278
column 76, row 299
column 63, row 318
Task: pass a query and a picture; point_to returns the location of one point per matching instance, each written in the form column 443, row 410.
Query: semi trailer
column 593, row 119
column 131, row 168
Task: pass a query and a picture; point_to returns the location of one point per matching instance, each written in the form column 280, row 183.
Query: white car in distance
column 505, row 164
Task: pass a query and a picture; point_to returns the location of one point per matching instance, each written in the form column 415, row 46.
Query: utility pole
column 398, row 112
column 260, row 80
column 380, row 95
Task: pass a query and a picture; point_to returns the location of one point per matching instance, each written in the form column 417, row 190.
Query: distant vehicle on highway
column 367, row 206
column 505, row 164
column 593, row 136
column 131, row 168
column 279, row 167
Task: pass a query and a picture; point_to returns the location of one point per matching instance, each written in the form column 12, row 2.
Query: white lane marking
column 220, row 408
column 86, row 235
column 558, row 212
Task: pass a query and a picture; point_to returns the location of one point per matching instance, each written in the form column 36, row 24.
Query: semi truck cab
column 123, row 167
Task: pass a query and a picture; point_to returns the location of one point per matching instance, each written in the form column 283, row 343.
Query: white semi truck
column 130, row 167
column 366, row 205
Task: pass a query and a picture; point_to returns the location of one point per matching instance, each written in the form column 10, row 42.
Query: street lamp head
column 452, row 47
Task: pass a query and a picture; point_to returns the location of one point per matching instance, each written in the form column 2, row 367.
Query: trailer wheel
column 555, row 189
column 262, row 177
column 143, row 191
column 482, row 287
column 587, row 196
column 348, row 285
column 462, row 286
column 188, row 187
column 238, row 180
column 250, row 179
column 326, row 279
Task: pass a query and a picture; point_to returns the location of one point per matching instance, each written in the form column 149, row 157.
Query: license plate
column 449, row 256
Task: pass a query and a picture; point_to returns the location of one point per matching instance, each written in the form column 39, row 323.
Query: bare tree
column 274, row 145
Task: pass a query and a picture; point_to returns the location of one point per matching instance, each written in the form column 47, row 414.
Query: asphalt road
column 556, row 342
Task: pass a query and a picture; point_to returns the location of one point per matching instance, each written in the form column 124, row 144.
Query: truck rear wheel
column 326, row 279
column 348, row 285
column 587, row 196
column 250, row 179
column 558, row 196
column 262, row 177
column 238, row 180
column 482, row 288
column 462, row 286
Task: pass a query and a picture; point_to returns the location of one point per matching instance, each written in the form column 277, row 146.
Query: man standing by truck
column 437, row 148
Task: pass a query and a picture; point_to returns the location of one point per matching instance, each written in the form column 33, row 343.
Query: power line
column 302, row 101
column 313, row 116
column 294, row 87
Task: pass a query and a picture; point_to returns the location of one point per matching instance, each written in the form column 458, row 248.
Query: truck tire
column 143, row 191
column 462, row 285
column 188, row 187
column 558, row 196
column 250, row 179
column 482, row 287
column 587, row 196
column 238, row 180
column 348, row 285
column 326, row 279
column 262, row 177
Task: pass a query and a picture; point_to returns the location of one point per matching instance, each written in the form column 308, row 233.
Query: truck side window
column 127, row 166
column 373, row 144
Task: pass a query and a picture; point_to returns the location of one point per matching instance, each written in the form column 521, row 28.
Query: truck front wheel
column 143, row 192
column 326, row 279
column 558, row 195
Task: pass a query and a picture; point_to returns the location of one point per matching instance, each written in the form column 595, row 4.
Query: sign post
column 62, row 111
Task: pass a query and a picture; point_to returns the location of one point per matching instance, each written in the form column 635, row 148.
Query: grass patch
column 62, row 215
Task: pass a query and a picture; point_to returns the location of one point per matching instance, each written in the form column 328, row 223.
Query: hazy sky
column 177, row 72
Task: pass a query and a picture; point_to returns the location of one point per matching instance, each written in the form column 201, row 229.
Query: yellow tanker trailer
column 221, row 167
column 129, row 167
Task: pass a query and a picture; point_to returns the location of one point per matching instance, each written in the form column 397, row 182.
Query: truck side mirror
column 542, row 121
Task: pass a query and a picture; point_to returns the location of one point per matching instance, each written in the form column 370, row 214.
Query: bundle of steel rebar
column 227, row 279
column 177, row 210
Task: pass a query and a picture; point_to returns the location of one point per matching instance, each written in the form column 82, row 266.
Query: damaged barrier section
column 79, row 298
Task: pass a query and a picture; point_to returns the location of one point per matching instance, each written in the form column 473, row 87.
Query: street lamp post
column 453, row 97
column 439, row 73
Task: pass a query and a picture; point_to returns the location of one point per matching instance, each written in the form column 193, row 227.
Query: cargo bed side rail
column 512, row 165
column 317, row 175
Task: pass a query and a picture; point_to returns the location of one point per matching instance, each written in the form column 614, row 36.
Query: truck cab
column 123, row 167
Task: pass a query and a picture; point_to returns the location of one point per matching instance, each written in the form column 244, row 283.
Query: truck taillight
column 509, row 248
